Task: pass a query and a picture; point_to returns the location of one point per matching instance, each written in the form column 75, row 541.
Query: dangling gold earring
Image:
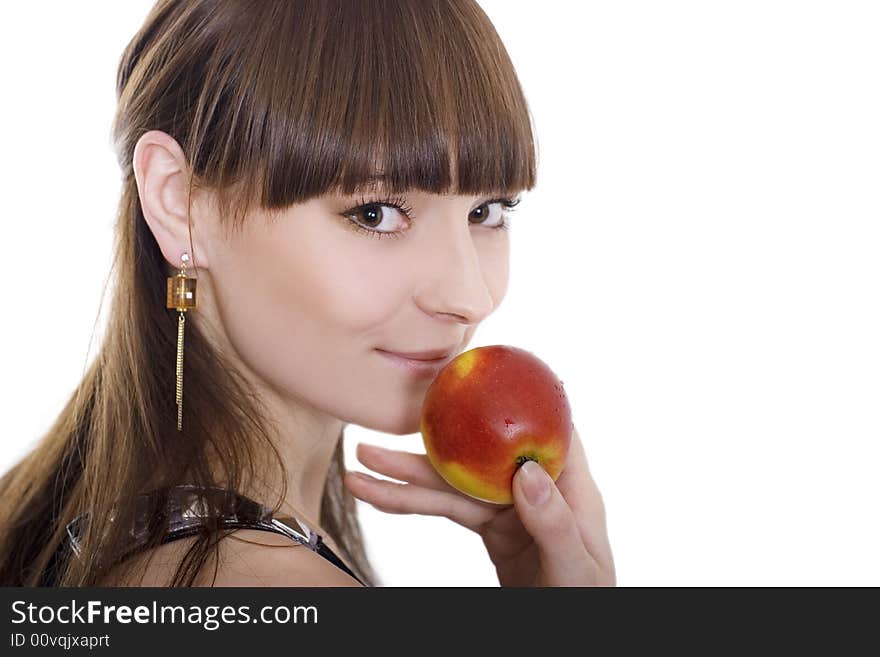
column 182, row 297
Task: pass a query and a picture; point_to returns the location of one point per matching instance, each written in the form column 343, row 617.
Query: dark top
column 185, row 507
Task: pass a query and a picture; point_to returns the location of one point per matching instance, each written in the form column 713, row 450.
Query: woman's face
column 306, row 299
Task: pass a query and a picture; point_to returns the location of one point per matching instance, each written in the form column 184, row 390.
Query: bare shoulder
column 283, row 563
column 247, row 557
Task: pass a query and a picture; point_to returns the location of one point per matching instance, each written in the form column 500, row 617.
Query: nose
column 455, row 285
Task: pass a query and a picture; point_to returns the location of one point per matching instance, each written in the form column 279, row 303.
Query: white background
column 698, row 264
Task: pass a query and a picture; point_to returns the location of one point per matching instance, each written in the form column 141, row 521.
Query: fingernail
column 536, row 483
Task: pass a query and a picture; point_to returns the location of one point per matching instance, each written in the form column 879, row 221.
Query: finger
column 577, row 486
column 576, row 481
column 405, row 466
column 392, row 497
column 549, row 520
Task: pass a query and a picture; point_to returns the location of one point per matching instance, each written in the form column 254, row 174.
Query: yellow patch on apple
column 464, row 363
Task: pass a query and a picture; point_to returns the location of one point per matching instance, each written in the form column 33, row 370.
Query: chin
column 401, row 426
column 398, row 420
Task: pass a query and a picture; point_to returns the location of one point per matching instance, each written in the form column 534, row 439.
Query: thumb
column 550, row 522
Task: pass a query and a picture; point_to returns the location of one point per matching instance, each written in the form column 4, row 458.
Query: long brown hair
column 273, row 103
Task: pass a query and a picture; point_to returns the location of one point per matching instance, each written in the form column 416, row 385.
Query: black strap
column 186, row 508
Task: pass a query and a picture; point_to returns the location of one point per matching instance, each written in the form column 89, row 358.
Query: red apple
column 488, row 411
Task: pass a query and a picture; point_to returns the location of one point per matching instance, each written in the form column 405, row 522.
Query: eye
column 490, row 213
column 370, row 216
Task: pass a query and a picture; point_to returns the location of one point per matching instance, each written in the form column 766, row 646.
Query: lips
column 418, row 367
column 427, row 356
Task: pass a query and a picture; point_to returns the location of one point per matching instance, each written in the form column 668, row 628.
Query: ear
column 161, row 170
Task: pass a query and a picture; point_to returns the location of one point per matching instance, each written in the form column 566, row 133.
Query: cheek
column 354, row 286
column 495, row 263
column 301, row 301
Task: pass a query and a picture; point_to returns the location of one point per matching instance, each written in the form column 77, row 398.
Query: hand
column 562, row 541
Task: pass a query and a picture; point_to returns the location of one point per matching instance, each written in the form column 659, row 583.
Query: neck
column 305, row 439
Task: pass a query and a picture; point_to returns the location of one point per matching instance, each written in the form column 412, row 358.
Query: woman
column 267, row 149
